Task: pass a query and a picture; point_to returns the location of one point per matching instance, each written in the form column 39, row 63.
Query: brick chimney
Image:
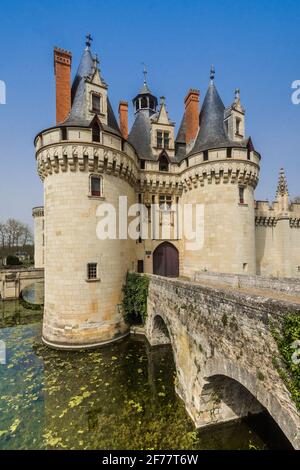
column 191, row 102
column 123, row 117
column 62, row 70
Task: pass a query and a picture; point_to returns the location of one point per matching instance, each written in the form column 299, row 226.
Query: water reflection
column 117, row 397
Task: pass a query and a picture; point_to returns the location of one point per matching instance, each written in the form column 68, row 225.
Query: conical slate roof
column 85, row 69
column 212, row 132
column 140, row 137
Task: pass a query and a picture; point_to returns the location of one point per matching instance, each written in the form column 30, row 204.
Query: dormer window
column 96, row 132
column 96, row 101
column 163, row 140
column 163, row 163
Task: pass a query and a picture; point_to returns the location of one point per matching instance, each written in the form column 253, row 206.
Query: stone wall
column 223, row 350
column 81, row 312
column 289, row 286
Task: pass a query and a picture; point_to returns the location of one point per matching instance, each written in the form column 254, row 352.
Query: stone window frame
column 96, row 93
column 163, row 139
column 92, row 265
column 238, row 125
column 90, row 195
column 242, row 188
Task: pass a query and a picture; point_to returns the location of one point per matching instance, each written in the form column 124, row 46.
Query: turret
column 84, row 163
column 221, row 175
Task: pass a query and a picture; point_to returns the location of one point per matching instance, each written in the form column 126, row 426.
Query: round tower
column 220, row 174
column 84, row 163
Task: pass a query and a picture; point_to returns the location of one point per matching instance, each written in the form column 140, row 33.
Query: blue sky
column 254, row 45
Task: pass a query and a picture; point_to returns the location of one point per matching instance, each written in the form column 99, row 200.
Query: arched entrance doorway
column 166, row 260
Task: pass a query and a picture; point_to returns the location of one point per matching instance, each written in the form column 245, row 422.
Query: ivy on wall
column 289, row 369
column 135, row 295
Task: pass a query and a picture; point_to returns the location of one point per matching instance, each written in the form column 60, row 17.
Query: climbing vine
column 135, row 295
column 287, row 337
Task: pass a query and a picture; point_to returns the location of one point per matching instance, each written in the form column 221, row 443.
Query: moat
column 117, row 397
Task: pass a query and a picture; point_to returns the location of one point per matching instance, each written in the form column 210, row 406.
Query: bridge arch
column 159, row 330
column 242, row 393
column 32, row 292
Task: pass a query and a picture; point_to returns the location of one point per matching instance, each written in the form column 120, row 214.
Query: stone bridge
column 223, row 350
column 14, row 280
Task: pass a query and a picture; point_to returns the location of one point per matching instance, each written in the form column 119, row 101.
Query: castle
column 89, row 158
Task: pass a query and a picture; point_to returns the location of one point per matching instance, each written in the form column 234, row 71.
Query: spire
column 145, row 89
column 212, row 132
column 282, row 188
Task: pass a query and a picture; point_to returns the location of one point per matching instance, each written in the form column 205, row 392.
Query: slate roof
column 212, row 132
column 76, row 116
column 140, row 137
column 180, row 138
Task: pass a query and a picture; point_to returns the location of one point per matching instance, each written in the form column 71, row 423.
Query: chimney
column 191, row 102
column 62, row 70
column 123, row 117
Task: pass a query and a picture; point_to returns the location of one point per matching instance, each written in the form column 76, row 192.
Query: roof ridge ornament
column 145, row 72
column 88, row 41
column 212, row 74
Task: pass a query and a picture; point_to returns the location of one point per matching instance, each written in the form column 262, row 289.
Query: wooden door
column 166, row 260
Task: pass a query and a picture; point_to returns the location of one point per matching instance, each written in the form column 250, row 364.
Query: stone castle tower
column 88, row 160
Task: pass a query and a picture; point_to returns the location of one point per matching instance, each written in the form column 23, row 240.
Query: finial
column 145, row 74
column 212, row 73
column 162, row 100
column 88, row 40
column 96, row 60
column 237, row 94
column 282, row 188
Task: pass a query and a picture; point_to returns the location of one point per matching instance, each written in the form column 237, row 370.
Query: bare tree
column 15, row 234
column 296, row 200
column 3, row 234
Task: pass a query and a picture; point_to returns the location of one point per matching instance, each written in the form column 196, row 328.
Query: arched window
column 96, row 132
column 137, row 105
column 163, row 163
column 152, row 104
column 144, row 102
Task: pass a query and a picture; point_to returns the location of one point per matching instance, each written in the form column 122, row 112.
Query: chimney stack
column 62, row 70
column 191, row 102
column 123, row 117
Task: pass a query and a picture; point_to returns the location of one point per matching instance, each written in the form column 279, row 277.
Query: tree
column 296, row 200
column 14, row 234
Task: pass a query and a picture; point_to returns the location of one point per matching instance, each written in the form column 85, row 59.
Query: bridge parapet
column 289, row 286
column 14, row 280
column 224, row 351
